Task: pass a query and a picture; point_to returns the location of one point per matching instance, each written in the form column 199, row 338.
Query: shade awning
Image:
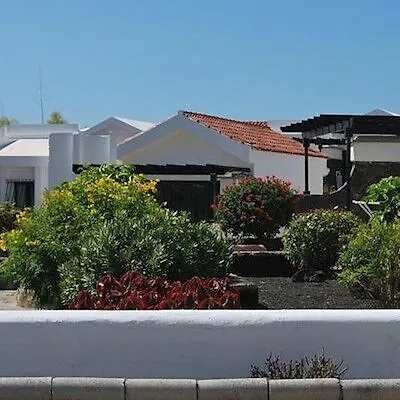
column 325, row 124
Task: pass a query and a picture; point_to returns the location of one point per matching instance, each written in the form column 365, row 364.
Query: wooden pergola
column 344, row 127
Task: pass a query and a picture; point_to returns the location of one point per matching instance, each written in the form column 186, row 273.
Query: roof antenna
column 41, row 95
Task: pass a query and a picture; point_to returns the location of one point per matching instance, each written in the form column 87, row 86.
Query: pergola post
column 306, row 145
column 348, row 137
column 213, row 192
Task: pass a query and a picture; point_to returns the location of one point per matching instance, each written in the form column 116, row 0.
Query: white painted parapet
column 194, row 344
column 187, row 389
column 96, row 149
column 60, row 158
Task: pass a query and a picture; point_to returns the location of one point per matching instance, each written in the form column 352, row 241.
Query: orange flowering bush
column 255, row 206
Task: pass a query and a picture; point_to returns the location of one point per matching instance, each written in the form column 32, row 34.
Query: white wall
column 36, row 131
column 60, row 158
column 376, row 151
column 96, row 149
column 181, row 148
column 193, row 344
column 41, row 183
column 291, row 168
column 333, row 152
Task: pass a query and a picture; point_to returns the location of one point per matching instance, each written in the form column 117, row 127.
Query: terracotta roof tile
column 257, row 134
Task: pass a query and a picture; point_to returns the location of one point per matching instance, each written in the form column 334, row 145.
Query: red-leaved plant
column 134, row 291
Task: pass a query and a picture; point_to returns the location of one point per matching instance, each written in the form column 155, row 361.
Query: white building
column 187, row 147
column 24, row 161
column 34, row 158
column 192, row 139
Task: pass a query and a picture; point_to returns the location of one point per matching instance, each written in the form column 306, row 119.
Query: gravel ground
column 282, row 293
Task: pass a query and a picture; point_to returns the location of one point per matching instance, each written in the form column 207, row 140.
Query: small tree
column 7, row 121
column 56, row 118
column 255, row 206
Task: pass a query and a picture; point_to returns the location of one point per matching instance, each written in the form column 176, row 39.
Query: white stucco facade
column 24, row 157
column 378, row 149
column 179, row 142
column 194, row 344
column 290, row 167
column 44, row 155
column 182, row 148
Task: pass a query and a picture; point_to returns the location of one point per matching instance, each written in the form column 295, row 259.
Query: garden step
column 261, row 263
column 248, row 292
column 269, row 244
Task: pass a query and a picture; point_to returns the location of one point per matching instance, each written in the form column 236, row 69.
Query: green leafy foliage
column 313, row 239
column 255, row 206
column 56, row 118
column 387, row 192
column 160, row 243
column 107, row 221
column 371, row 262
column 5, row 121
column 8, row 217
column 318, row 366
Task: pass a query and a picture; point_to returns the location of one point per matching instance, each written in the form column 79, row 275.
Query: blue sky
column 246, row 59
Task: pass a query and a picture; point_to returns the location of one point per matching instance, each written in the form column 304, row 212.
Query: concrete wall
column 41, row 183
column 333, row 152
column 193, row 344
column 291, row 168
column 60, row 158
column 96, row 149
column 86, row 388
column 376, row 151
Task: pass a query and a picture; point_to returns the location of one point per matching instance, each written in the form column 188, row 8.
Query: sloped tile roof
column 256, row 134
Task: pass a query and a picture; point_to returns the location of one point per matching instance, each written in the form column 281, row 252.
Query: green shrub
column 318, row 366
column 107, row 221
column 313, row 239
column 8, row 216
column 386, row 191
column 163, row 243
column 255, row 206
column 371, row 262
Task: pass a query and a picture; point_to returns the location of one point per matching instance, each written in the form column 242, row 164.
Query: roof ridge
column 241, row 121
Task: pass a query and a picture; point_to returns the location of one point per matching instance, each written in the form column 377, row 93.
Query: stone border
column 190, row 389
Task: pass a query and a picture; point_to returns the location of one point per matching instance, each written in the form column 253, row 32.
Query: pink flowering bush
column 255, row 206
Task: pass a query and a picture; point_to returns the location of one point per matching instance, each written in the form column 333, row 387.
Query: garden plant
column 107, row 221
column 317, row 366
column 314, row 239
column 370, row 264
column 134, row 291
column 387, row 193
column 255, row 207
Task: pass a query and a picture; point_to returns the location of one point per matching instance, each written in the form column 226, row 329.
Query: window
column 21, row 193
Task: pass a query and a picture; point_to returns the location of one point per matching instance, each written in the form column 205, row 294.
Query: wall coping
column 197, row 317
column 46, row 388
